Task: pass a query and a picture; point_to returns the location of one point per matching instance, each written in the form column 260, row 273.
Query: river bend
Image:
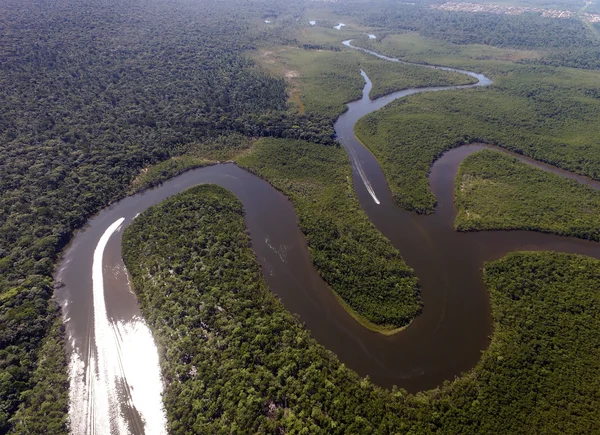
column 115, row 378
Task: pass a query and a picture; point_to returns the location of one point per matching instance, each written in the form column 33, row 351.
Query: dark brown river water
column 115, row 379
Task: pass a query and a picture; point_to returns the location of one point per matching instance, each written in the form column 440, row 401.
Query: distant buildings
column 592, row 18
column 515, row 10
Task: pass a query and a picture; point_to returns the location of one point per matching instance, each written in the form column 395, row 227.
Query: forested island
column 100, row 100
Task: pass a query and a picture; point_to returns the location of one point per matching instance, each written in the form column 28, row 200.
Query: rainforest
column 216, row 217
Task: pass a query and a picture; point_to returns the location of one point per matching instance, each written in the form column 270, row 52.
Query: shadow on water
column 444, row 341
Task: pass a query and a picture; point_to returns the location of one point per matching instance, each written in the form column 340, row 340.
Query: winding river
column 115, row 375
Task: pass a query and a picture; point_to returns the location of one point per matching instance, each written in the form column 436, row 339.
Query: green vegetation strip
column 494, row 191
column 549, row 114
column 161, row 172
column 234, row 361
column 360, row 265
column 326, row 80
column 196, row 155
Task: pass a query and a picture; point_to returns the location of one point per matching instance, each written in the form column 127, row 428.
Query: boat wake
column 115, row 384
column 363, row 176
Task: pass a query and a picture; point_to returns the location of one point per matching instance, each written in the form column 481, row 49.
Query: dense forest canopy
column 238, row 362
column 91, row 92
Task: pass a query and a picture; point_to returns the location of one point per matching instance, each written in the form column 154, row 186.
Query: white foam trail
column 363, row 175
column 122, row 361
column 281, row 252
column 139, row 363
column 482, row 81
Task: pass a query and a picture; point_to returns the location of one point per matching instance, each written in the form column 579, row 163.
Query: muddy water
column 455, row 326
column 115, row 381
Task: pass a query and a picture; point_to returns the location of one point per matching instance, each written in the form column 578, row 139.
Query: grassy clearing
column 323, row 81
column 319, row 81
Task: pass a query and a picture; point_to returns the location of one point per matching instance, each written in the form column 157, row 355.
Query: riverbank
column 518, row 112
column 359, row 264
column 248, row 353
column 497, row 192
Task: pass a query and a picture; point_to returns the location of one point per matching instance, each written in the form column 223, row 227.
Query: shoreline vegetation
column 225, row 338
column 518, row 112
column 195, row 155
column 84, row 112
column 359, row 264
column 386, row 330
column 497, row 192
column 322, row 82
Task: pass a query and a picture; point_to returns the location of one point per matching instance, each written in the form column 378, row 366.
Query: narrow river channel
column 115, row 378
